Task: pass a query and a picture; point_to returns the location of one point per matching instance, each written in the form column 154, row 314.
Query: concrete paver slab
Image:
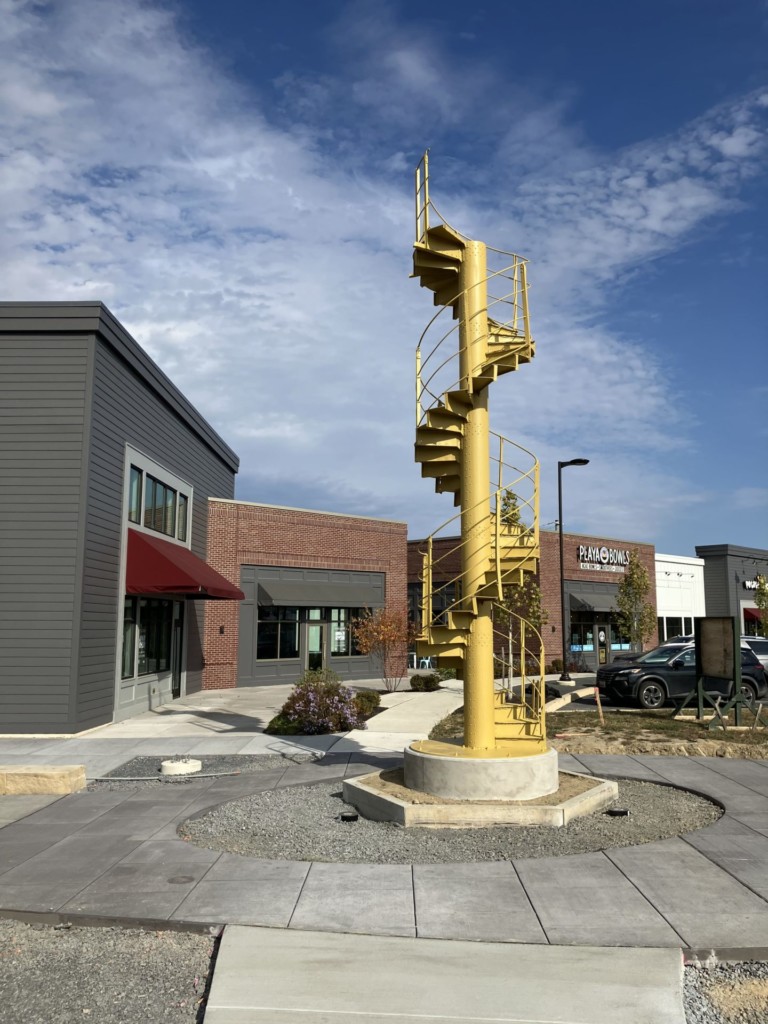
column 586, row 899
column 266, row 977
column 618, row 765
column 14, row 807
column 79, row 808
column 477, row 902
column 146, row 905
column 375, row 899
column 705, row 905
column 742, row 856
column 269, row 904
column 76, row 858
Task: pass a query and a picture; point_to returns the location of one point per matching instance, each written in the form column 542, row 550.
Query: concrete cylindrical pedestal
column 482, row 778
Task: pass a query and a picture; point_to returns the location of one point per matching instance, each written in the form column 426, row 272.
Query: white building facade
column 679, row 594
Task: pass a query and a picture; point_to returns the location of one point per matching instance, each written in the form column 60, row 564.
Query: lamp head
column 573, row 462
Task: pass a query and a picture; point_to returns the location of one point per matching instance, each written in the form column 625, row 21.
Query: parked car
column 758, row 644
column 678, row 642
column 669, row 672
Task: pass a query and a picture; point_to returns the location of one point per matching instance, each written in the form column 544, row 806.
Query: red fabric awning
column 155, row 566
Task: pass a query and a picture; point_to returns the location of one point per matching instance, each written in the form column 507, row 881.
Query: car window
column 758, row 646
column 688, row 658
column 659, row 655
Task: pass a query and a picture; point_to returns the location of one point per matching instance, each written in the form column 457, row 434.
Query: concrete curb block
column 378, row 806
column 48, row 779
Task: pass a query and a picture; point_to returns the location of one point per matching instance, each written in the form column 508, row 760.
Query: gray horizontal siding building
column 731, row 574
column 86, row 416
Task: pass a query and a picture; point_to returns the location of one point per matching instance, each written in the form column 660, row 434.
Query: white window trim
column 133, row 457
column 147, row 465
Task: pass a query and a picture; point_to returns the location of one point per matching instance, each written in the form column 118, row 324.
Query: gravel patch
column 103, row 975
column 121, row 976
column 729, row 993
column 302, row 823
column 145, row 771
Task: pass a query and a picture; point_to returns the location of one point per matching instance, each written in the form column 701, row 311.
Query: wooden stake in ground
column 599, row 706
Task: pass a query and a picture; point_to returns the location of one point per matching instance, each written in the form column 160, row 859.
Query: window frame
column 154, row 478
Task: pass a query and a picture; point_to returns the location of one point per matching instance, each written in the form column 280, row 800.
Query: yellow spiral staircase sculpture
column 461, row 353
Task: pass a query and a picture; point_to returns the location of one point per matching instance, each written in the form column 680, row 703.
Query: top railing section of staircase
column 425, row 206
column 437, row 369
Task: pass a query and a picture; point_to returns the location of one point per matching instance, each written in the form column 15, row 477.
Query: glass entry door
column 177, row 648
column 314, row 640
column 601, row 630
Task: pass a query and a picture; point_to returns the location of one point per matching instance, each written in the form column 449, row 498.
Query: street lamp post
column 564, row 677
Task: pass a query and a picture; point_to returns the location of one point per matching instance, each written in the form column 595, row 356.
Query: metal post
column 476, row 503
column 564, row 677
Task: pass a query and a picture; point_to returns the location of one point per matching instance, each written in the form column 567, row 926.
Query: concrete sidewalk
column 557, row 940
column 232, row 722
column 107, row 854
column 267, row 977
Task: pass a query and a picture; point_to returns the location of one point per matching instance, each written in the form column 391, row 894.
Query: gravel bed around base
column 728, row 993
column 103, row 975
column 145, row 771
column 302, row 823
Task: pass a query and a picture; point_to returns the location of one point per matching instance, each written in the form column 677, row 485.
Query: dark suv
column 669, row 672
column 759, row 644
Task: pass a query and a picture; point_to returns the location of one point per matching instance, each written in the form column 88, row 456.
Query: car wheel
column 651, row 695
column 748, row 691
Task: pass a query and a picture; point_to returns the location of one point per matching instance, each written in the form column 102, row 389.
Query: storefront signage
column 602, row 559
column 751, row 584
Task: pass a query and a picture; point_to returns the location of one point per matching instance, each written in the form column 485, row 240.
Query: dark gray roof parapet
column 94, row 317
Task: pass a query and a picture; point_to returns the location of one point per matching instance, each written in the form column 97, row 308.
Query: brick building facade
column 305, row 574
column 592, row 567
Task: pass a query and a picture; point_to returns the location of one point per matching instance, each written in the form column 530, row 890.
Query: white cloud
column 262, row 256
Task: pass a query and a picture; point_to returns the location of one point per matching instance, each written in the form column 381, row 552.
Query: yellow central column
column 475, row 501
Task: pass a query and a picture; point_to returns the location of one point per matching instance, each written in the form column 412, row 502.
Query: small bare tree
column 636, row 615
column 385, row 634
column 761, row 600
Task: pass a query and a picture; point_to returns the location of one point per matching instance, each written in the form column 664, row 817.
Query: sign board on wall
column 602, row 559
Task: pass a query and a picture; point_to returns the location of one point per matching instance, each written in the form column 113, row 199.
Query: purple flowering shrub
column 319, row 703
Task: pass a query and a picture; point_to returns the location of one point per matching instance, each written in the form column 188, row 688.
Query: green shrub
column 445, row 673
column 281, row 726
column 366, row 702
column 318, row 703
column 426, row 683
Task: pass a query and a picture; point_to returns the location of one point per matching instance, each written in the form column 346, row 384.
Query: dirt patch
column 743, row 999
column 597, row 742
column 393, row 784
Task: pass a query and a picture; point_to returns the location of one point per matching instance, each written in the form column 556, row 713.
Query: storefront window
column 134, row 495
column 129, row 638
column 182, row 530
column 674, row 626
column 155, row 624
column 277, row 633
column 582, row 637
column 342, row 639
column 147, row 626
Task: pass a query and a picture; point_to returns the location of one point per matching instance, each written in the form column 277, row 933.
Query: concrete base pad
column 481, row 778
column 377, row 805
column 51, row 779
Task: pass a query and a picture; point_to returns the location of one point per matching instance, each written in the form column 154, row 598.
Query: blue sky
column 235, row 181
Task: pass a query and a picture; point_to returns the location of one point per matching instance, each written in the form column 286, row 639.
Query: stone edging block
column 48, row 779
